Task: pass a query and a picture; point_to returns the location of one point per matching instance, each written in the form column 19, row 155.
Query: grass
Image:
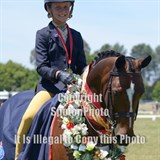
column 150, row 150
column 145, row 107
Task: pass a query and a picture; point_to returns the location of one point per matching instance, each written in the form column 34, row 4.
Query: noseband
column 115, row 73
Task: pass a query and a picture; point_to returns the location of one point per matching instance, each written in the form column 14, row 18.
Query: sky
column 128, row 22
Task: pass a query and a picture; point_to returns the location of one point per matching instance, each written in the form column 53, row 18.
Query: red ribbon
column 123, row 157
column 68, row 55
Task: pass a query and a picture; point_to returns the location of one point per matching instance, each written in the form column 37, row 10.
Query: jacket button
column 64, row 61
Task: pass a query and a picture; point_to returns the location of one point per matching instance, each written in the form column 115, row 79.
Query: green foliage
column 33, row 57
column 119, row 48
column 116, row 47
column 105, row 47
column 157, row 51
column 87, row 48
column 148, row 92
column 15, row 77
column 89, row 57
column 87, row 156
column 141, row 51
column 156, row 61
column 156, row 91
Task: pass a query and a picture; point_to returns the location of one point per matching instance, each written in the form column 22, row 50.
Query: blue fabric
column 10, row 116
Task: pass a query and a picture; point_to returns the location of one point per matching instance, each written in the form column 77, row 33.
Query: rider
column 58, row 47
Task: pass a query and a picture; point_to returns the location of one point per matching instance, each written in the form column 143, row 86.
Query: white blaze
column 130, row 93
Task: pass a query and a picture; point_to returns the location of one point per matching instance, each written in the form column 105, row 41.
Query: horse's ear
column 145, row 62
column 120, row 62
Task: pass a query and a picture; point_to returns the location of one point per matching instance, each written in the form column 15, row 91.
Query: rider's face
column 60, row 12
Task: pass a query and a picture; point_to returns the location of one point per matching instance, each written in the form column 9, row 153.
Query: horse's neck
column 99, row 73
column 98, row 77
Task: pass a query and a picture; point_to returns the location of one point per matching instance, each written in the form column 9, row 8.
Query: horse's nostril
column 123, row 139
column 118, row 137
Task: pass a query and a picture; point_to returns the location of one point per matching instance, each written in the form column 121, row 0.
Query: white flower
column 71, row 106
column 67, row 91
column 80, row 128
column 90, row 146
column 76, row 154
column 103, row 154
column 74, row 146
column 60, row 106
column 67, row 137
column 65, row 120
column 80, row 82
column 63, row 126
column 82, row 147
column 69, row 111
column 76, row 103
column 75, row 130
column 67, row 132
column 84, row 129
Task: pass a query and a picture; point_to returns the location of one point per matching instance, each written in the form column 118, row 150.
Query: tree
column 148, row 92
column 105, row 47
column 119, row 48
column 116, row 47
column 87, row 50
column 16, row 77
column 89, row 57
column 157, row 51
column 33, row 57
column 157, row 60
column 141, row 51
column 156, row 91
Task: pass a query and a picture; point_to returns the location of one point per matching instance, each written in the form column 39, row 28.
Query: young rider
column 58, row 47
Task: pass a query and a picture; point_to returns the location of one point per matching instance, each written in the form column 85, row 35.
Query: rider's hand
column 64, row 77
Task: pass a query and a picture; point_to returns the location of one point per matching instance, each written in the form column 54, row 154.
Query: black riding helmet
column 50, row 1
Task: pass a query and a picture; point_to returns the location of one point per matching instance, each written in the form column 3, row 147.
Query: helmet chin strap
column 71, row 11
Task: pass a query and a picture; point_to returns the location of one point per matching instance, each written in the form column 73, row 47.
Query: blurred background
column 130, row 27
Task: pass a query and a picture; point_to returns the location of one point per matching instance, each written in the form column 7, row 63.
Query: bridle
column 115, row 73
column 113, row 116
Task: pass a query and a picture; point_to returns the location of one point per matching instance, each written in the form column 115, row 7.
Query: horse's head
column 118, row 79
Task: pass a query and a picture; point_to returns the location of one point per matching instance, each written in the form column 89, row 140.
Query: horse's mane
column 105, row 54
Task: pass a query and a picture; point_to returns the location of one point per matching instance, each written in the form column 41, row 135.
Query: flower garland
column 75, row 130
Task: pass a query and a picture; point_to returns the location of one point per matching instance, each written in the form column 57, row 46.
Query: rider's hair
column 48, row 5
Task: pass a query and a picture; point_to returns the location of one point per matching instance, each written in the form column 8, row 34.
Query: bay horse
column 116, row 77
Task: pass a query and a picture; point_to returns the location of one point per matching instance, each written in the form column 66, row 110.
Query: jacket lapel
column 54, row 35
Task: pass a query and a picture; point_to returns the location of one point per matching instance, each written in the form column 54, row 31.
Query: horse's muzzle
column 124, row 139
